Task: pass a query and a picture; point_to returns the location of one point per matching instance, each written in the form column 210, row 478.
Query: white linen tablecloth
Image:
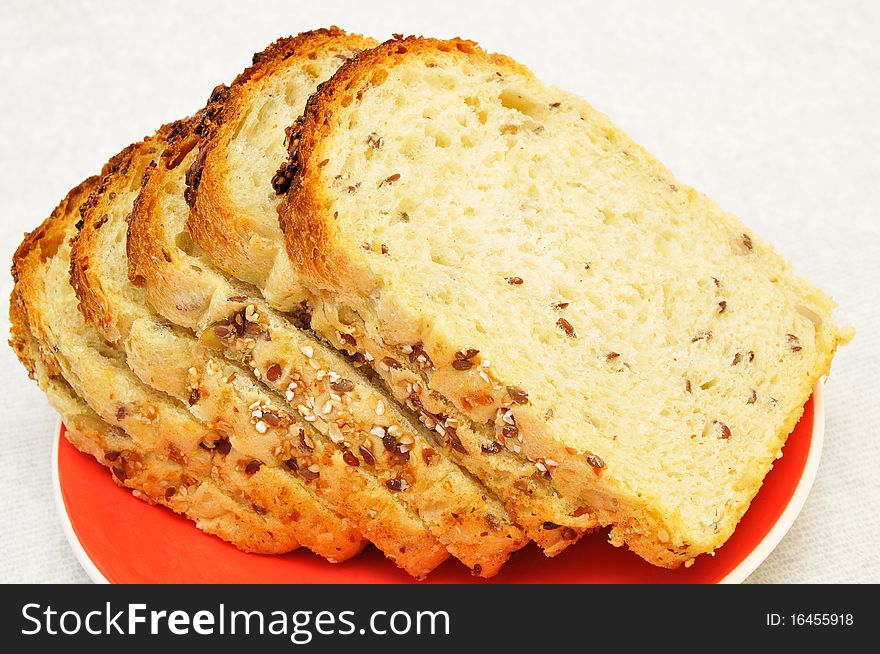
column 772, row 108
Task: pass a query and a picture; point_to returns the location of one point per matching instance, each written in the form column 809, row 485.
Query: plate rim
column 738, row 575
column 79, row 551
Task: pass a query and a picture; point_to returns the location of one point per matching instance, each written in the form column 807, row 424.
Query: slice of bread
column 378, row 466
column 234, row 221
column 224, row 395
column 651, row 353
column 98, row 374
column 153, row 478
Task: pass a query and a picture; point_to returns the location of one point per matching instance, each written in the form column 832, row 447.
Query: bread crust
column 331, row 270
column 217, row 221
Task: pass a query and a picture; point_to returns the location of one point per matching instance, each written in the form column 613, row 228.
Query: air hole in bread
column 518, row 101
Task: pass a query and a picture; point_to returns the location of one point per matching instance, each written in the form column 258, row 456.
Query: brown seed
column 119, row 473
column 169, row 492
column 569, row 534
column 687, row 385
column 595, row 462
column 397, row 484
column 392, row 178
column 736, row 359
column 611, row 356
column 566, row 327
column 349, row 457
column 492, row 447
column 462, row 364
column 374, row 141
column 121, row 412
column 305, row 441
column 493, row 522
column 550, row 526
column 509, row 431
column 559, row 306
column 722, row 306
column 725, row 430
column 237, row 298
column 111, row 456
column 291, row 465
column 752, row 398
column 348, row 339
column 342, row 386
column 273, row 419
column 368, row 457
column 389, row 442
column 223, row 331
column 455, row 441
column 518, row 395
column 222, row 446
column 390, row 363
column 252, row 467
column 514, row 281
column 428, row 456
column 751, row 356
column 310, row 474
column 273, row 372
column 555, row 105
column 717, row 282
column 383, row 248
column 464, row 355
column 253, row 328
column 194, row 395
column 747, row 241
column 581, row 510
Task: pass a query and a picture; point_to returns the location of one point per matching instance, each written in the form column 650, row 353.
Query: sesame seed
column 308, row 351
column 261, row 427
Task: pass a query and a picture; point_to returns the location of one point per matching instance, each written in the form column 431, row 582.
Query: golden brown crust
column 215, row 219
column 41, row 244
column 310, row 241
column 95, row 304
column 144, row 244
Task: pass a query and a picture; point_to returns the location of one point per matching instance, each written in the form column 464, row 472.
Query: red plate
column 120, row 539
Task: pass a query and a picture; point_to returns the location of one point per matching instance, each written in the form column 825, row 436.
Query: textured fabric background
column 769, row 107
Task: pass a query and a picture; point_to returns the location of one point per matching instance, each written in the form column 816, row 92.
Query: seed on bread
column 566, row 327
column 492, row 447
